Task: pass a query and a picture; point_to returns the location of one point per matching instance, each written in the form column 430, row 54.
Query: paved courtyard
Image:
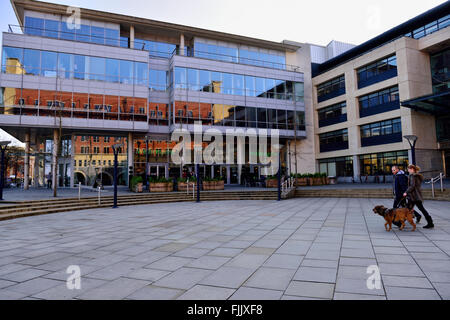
column 295, row 249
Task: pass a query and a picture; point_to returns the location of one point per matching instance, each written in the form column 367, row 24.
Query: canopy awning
column 436, row 104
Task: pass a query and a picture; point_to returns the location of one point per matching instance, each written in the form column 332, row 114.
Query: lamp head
column 412, row 139
column 4, row 143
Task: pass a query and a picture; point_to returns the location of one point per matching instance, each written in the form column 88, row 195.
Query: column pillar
column 212, row 171
column 26, row 164
column 130, row 149
column 55, row 159
column 35, row 181
column 228, row 175
column 356, row 168
column 72, row 159
column 166, row 171
column 132, row 37
column 182, row 52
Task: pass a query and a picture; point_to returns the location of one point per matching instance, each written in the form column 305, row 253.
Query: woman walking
column 414, row 193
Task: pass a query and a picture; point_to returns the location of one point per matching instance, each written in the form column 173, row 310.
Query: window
column 65, row 65
column 205, row 80
column 335, row 140
column 49, row 63
column 337, row 167
column 34, row 26
column 97, row 35
column 67, row 33
column 193, row 79
column 141, row 73
column 332, row 112
column 31, row 61
column 96, row 68
column 112, row 70
column 331, row 88
column 112, row 37
column 377, row 71
column 79, row 67
column 51, row 29
column 83, row 33
column 380, row 101
column 382, row 163
column 180, row 78
column 158, row 80
column 126, row 72
column 12, row 59
column 383, row 128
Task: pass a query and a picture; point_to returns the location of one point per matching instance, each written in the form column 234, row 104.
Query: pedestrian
column 400, row 185
column 49, row 180
column 414, row 193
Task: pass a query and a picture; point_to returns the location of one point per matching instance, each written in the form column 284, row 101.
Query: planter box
column 220, row 185
column 182, row 186
column 301, row 181
column 139, row 188
column 213, row 185
column 272, row 183
column 317, row 181
column 161, row 187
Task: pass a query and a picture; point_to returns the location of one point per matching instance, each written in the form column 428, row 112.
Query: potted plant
column 208, row 183
column 220, row 183
column 160, row 185
column 137, row 184
column 271, row 182
column 317, row 179
column 325, row 179
column 301, row 179
column 183, row 183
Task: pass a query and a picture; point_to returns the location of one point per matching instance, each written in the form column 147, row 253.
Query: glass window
column 34, row 26
column 51, row 28
column 31, row 61
column 80, row 67
column 270, row 88
column 141, row 73
column 83, row 33
column 65, row 67
column 67, row 31
column 205, row 80
column 260, row 86
column 112, row 70
column 251, row 117
column 96, row 68
column 97, row 35
column 238, row 85
column 299, row 91
column 262, row 117
column 281, row 119
column 216, row 81
column 126, row 72
column 180, row 78
column 12, row 60
column 112, row 37
column 250, row 86
column 227, row 83
column 49, row 62
column 193, row 79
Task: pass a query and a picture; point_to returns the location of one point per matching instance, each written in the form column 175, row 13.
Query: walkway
column 294, row 249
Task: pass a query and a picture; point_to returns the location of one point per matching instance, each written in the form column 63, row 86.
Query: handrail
column 193, row 189
column 435, row 180
column 287, row 185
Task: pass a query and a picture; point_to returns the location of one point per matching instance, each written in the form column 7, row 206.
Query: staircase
column 364, row 193
column 40, row 207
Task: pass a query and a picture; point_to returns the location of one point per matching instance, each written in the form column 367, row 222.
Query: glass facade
column 430, row 28
column 237, row 55
column 61, row 30
column 440, row 71
column 381, row 163
column 337, row 167
column 158, row 80
column 384, row 132
column 155, row 49
column 72, row 66
column 236, row 84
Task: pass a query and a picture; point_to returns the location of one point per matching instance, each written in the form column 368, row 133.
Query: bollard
column 79, row 191
column 99, row 195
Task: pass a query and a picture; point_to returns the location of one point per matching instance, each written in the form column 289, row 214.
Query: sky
column 317, row 22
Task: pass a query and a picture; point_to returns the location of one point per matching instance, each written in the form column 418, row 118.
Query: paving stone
column 169, row 263
column 24, row 275
column 245, row 293
column 314, row 274
column 155, row 293
column 356, row 286
column 284, row 261
column 225, row 252
column 407, row 282
column 34, row 286
column 443, row 289
column 114, row 290
column 310, row 289
column 351, row 296
column 397, row 293
column 270, row 278
column 200, row 292
column 228, row 277
column 183, row 278
column 147, row 274
column 61, row 292
column 208, row 262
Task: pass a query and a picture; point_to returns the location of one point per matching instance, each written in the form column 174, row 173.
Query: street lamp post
column 412, row 140
column 3, row 146
column 116, row 149
column 279, row 171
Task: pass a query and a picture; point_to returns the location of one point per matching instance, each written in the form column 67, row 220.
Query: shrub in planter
column 271, row 182
column 317, row 179
column 136, row 184
column 325, row 179
column 301, row 179
column 220, row 183
column 183, row 183
column 160, row 185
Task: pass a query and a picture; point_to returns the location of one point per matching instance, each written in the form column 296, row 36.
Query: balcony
column 382, row 139
column 393, row 105
column 378, row 78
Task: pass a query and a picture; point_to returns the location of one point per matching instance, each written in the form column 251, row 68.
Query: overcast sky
column 317, row 21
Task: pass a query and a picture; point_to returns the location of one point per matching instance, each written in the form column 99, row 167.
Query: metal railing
column 432, row 181
column 287, row 185
column 193, row 189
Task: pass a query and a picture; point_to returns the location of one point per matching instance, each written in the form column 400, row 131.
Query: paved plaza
column 294, row 249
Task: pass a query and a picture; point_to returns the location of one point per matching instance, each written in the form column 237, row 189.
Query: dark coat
column 400, row 184
column 414, row 190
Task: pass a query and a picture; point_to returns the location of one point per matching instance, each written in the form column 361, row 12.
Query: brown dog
column 394, row 215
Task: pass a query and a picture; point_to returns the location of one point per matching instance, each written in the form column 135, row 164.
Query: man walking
column 400, row 187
